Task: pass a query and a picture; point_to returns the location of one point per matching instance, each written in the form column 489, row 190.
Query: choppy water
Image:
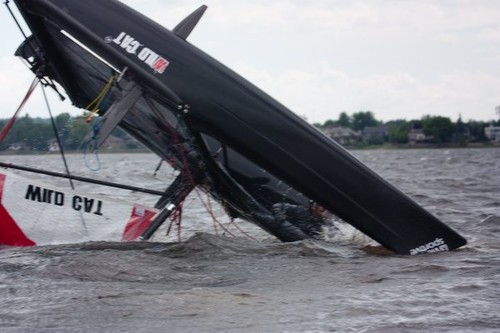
column 234, row 283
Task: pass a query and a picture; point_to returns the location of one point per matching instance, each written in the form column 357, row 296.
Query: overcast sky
column 400, row 59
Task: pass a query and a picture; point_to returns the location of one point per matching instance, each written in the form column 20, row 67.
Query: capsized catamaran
column 219, row 131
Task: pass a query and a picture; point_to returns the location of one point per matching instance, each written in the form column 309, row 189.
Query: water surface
column 243, row 280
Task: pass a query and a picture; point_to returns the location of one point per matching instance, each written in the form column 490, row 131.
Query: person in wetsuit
column 308, row 219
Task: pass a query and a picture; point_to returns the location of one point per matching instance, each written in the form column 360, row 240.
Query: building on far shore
column 375, row 134
column 18, row 146
column 53, row 145
column 343, row 135
column 416, row 135
column 492, row 133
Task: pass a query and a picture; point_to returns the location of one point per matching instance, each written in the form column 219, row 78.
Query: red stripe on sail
column 10, row 233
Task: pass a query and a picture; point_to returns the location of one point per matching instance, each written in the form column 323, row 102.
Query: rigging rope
column 90, row 148
column 10, row 123
column 176, row 217
column 208, row 208
column 58, row 139
column 94, row 107
column 6, row 3
column 63, row 156
column 98, row 101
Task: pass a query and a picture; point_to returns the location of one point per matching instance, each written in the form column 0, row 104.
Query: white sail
column 34, row 213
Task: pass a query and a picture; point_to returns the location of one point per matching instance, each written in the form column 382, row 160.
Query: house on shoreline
column 492, row 133
column 416, row 135
column 343, row 135
column 375, row 134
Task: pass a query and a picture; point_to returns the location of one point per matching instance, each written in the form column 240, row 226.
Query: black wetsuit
column 299, row 216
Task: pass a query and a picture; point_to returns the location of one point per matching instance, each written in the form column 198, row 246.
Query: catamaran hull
column 224, row 111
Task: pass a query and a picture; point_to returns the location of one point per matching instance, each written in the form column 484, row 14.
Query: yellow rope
column 98, row 100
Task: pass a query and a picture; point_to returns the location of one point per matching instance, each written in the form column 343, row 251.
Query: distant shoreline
column 74, row 152
column 386, row 146
column 390, row 146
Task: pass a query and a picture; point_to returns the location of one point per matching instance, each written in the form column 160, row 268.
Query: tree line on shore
column 437, row 129
column 38, row 133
